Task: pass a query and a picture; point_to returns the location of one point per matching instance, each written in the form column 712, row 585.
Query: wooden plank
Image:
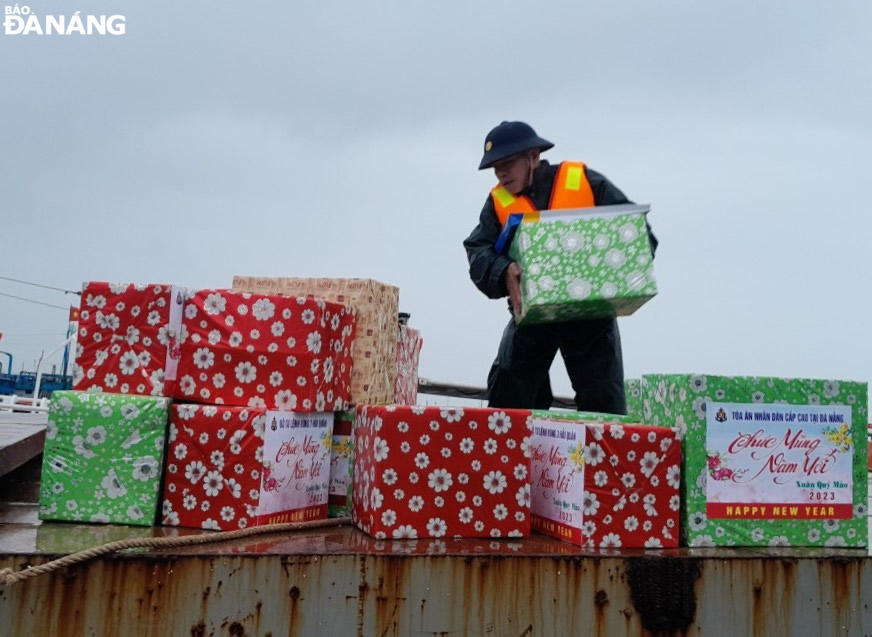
column 23, row 418
column 19, row 442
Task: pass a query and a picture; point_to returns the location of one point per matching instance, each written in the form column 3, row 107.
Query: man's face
column 513, row 172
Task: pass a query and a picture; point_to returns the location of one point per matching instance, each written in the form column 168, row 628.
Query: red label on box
column 784, row 511
column 556, row 529
column 298, row 515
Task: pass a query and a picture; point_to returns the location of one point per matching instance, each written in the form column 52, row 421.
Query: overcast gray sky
column 342, row 139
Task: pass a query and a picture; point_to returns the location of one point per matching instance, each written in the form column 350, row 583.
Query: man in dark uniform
column 591, row 348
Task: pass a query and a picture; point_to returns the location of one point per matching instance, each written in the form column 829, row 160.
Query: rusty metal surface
column 359, row 594
column 22, row 533
column 341, row 582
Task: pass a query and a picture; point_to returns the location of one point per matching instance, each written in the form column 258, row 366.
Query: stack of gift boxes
column 385, row 360
column 593, row 479
column 275, row 393
column 284, row 410
column 105, row 440
column 261, row 377
column 255, row 380
column 260, row 385
column 767, row 462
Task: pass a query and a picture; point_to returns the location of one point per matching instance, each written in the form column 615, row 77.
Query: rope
column 40, row 285
column 21, row 298
column 8, row 577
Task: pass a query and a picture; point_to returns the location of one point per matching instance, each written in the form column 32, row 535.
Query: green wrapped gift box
column 767, row 461
column 633, row 394
column 581, row 416
column 583, row 264
column 103, row 458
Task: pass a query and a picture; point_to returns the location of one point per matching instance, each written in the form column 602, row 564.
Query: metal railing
column 471, row 392
column 20, row 410
column 38, row 382
column 23, row 404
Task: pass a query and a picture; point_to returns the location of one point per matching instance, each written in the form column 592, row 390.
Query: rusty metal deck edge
column 391, row 594
column 716, row 554
column 51, row 540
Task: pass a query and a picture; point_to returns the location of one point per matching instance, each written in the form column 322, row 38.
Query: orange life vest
column 570, row 190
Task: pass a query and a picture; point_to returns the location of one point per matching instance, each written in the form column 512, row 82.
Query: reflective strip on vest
column 504, row 197
column 570, row 190
column 506, row 204
column 573, row 177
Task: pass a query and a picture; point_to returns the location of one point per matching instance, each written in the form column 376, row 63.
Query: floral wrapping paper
column 288, row 354
column 589, row 267
column 341, row 465
column 633, row 394
column 223, row 472
column 103, row 457
column 127, row 341
column 424, row 472
column 681, row 401
column 409, row 343
column 373, row 376
column 214, row 466
column 606, row 485
column 583, row 416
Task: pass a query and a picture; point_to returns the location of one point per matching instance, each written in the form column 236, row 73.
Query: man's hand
column 513, row 285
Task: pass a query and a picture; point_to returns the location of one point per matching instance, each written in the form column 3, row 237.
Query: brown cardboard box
column 375, row 347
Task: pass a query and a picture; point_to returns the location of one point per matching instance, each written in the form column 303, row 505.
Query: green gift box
column 767, row 461
column 341, row 465
column 582, row 416
column 583, row 264
column 103, row 458
column 633, row 394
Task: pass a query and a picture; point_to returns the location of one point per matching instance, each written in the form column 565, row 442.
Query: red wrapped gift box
column 606, row 485
column 232, row 467
column 127, row 338
column 409, row 344
column 214, row 466
column 441, row 472
column 284, row 353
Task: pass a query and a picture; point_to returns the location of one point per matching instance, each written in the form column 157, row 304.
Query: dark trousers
column 591, row 351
